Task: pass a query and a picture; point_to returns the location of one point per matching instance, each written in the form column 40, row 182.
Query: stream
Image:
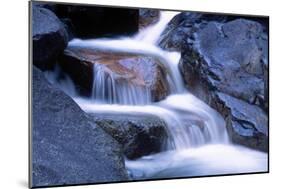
column 198, row 142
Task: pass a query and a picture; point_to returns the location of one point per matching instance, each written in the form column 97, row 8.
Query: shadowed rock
column 49, row 37
column 139, row 135
column 96, row 21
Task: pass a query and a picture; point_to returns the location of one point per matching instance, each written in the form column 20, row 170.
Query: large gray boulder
column 139, row 135
column 67, row 147
column 226, row 55
column 49, row 37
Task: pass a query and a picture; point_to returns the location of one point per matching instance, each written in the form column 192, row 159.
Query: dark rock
column 49, row 37
column 139, row 135
column 181, row 28
column 67, row 148
column 266, row 88
column 131, row 69
column 148, row 17
column 95, row 21
column 233, row 64
column 225, row 55
column 246, row 123
column 80, row 71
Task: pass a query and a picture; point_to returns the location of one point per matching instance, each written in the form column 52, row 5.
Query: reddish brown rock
column 126, row 68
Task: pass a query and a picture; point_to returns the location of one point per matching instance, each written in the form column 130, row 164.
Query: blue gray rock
column 67, row 147
column 139, row 135
column 246, row 124
column 226, row 55
column 49, row 37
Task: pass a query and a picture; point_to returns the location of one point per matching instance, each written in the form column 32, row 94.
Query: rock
column 49, row 37
column 225, row 55
column 148, row 17
column 180, row 29
column 80, row 71
column 67, row 148
column 266, row 88
column 136, row 70
column 97, row 21
column 232, row 64
column 139, row 135
column 246, row 123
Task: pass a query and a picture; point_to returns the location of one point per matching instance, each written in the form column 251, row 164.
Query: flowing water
column 198, row 142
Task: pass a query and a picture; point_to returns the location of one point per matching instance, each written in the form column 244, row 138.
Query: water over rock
column 139, row 135
column 221, row 54
column 114, row 68
column 49, row 37
column 67, row 147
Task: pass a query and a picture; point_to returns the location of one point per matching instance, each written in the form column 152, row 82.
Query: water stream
column 198, row 141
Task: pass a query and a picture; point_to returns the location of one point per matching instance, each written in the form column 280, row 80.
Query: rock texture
column 224, row 62
column 49, row 37
column 148, row 17
column 139, row 135
column 246, row 124
column 67, row 148
column 131, row 69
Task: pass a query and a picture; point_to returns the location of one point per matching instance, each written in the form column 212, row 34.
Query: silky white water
column 198, row 143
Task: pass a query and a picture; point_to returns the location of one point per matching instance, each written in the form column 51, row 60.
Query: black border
column 30, row 63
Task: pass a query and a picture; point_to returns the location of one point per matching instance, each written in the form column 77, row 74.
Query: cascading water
column 198, row 142
column 107, row 90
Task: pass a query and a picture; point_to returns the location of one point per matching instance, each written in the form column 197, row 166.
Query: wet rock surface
column 139, row 135
column 143, row 71
column 224, row 55
column 67, row 147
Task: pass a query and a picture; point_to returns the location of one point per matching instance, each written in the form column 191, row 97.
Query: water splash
column 215, row 159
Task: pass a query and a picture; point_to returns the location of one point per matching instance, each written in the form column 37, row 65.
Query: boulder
column 142, row 71
column 67, row 147
column 139, row 135
column 232, row 60
column 148, row 17
column 225, row 55
column 49, row 37
column 246, row 124
column 179, row 30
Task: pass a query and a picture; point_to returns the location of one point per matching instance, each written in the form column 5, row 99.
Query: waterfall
column 107, row 90
column 204, row 126
column 151, row 33
column 198, row 143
